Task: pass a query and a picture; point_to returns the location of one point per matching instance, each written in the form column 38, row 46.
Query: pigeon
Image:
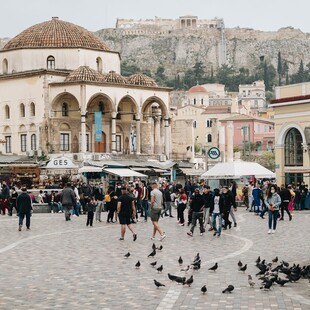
column 286, row 264
column 243, row 268
column 158, row 284
column 152, row 254
column 180, row 261
column 153, row 247
column 281, row 282
column 160, row 268
column 240, row 263
column 127, row 255
column 189, row 281
column 214, row 267
column 160, row 248
column 204, row 289
column 267, row 285
column 180, row 280
column 258, row 260
column 153, row 264
column 138, row 264
column 197, row 262
column 275, row 260
column 197, row 257
column 250, row 281
column 196, row 267
column 228, row 289
column 185, row 269
column 172, row 277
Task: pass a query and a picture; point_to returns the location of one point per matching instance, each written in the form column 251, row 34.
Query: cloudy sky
column 17, row 15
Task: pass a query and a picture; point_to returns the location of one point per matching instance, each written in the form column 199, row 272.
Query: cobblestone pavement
column 67, row 265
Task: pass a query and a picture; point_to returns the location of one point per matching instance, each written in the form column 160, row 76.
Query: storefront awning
column 124, row 172
column 189, row 171
column 90, row 169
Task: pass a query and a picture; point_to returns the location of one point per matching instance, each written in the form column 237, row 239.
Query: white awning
column 90, row 169
column 124, row 172
column 191, row 171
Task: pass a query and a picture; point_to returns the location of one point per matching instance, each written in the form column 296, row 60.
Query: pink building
column 259, row 132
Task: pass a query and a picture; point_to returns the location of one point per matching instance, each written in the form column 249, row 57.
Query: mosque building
column 61, row 92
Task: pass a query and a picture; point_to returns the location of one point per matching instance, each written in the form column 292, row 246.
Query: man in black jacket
column 197, row 204
column 207, row 195
column 285, row 195
column 227, row 203
column 67, row 200
column 4, row 197
column 24, row 205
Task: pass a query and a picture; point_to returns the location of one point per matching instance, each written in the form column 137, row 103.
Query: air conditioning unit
column 78, row 157
column 162, row 157
column 96, row 156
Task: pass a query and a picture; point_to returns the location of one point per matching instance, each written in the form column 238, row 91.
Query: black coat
column 23, row 202
column 228, row 201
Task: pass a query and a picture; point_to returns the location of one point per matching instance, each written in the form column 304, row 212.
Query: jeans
column 273, row 217
column 90, row 218
column 67, row 209
column 98, row 212
column 213, row 222
column 232, row 214
column 167, row 207
column 21, row 218
column 76, row 209
column 146, row 209
column 197, row 216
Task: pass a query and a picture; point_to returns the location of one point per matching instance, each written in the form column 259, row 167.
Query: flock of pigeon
column 268, row 273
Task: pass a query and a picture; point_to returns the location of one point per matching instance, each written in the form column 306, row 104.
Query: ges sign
column 60, row 162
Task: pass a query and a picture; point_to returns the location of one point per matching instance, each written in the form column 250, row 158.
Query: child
column 91, row 208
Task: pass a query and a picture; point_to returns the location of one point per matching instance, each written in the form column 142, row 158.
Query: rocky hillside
column 179, row 50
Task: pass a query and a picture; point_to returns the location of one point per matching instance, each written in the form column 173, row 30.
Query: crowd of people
column 128, row 203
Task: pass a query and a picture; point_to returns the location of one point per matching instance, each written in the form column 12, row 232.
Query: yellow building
column 292, row 131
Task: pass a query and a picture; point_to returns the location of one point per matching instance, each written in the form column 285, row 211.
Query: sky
column 267, row 15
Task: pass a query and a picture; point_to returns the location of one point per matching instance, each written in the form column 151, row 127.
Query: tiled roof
column 56, row 33
column 113, row 77
column 142, row 80
column 197, row 89
column 84, row 73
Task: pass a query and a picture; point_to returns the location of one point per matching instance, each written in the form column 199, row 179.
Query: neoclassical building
column 61, row 91
column 292, row 131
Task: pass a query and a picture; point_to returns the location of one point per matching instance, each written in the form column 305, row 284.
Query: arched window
column 201, row 100
column 33, row 142
column 5, row 66
column 22, row 110
column 194, row 124
column 194, row 100
column 50, row 62
column 7, row 112
column 65, row 109
column 32, row 109
column 209, row 138
column 99, row 64
column 293, row 148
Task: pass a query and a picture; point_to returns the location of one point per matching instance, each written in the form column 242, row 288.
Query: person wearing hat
column 197, row 204
column 216, row 211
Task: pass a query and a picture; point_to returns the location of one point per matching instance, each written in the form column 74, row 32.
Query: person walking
column 156, row 207
column 196, row 205
column 5, row 198
column 216, row 211
column 126, row 210
column 285, row 200
column 145, row 200
column 207, row 195
column 272, row 201
column 91, row 208
column 182, row 202
column 228, row 203
column 67, row 200
column 167, row 201
column 257, row 194
column 111, row 203
column 14, row 196
column 24, row 205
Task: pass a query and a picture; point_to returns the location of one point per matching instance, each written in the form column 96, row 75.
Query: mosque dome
column 56, row 33
column 115, row 78
column 86, row 74
column 142, row 80
column 197, row 89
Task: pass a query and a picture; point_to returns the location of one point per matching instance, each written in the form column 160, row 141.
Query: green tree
column 160, row 76
column 129, row 69
column 280, row 68
column 198, row 71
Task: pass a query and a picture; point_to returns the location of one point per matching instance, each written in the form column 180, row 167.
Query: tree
column 129, row 69
column 199, row 72
column 280, row 68
column 160, row 76
column 301, row 73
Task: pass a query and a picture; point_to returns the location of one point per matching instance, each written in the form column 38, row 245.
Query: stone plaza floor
column 67, row 265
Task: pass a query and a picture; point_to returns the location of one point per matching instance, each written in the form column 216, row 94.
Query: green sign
column 214, row 153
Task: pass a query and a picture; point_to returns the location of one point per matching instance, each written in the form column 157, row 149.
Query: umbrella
column 237, row 169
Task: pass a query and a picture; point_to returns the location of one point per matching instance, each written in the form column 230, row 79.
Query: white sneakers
column 162, row 237
column 271, row 231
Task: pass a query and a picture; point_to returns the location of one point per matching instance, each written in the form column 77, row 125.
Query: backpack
column 107, row 198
